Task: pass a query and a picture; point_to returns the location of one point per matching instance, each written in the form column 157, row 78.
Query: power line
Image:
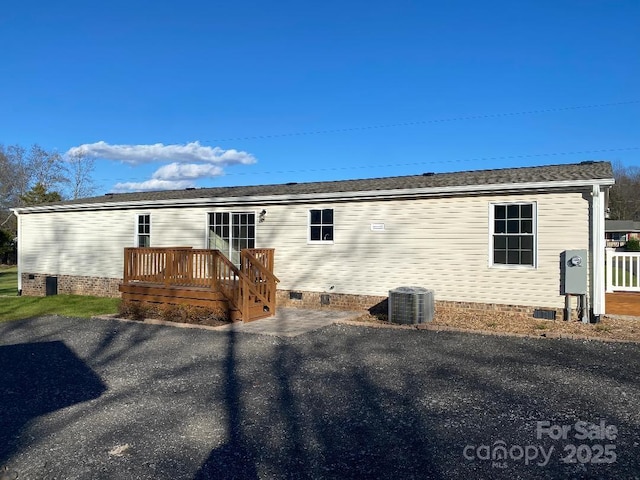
column 432, row 162
column 477, row 159
column 425, row 122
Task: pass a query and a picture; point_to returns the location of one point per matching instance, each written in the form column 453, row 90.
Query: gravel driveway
column 95, row 399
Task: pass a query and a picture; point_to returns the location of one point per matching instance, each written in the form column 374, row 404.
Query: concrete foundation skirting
column 34, row 285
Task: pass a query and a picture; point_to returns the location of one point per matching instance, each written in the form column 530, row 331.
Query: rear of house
column 481, row 239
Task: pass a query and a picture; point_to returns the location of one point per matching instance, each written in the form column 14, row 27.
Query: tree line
column 34, row 176
column 624, row 196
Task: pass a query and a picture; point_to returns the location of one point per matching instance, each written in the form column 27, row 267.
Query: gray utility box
column 574, row 266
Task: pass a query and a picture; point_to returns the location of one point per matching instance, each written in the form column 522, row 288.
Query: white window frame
column 534, row 206
column 137, row 234
column 333, row 226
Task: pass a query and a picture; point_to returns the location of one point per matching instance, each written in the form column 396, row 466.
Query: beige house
column 488, row 239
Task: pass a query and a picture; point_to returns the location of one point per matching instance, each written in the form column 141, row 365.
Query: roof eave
column 323, row 197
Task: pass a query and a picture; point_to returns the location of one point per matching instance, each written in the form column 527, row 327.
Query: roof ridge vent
column 587, row 162
column 291, row 183
column 428, row 174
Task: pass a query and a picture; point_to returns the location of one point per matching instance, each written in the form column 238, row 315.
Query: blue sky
column 234, row 91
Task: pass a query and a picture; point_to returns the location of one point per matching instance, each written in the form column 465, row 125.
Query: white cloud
column 153, row 184
column 175, row 171
column 189, row 162
column 187, row 153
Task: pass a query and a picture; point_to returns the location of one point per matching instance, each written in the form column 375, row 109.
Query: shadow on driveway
column 39, row 378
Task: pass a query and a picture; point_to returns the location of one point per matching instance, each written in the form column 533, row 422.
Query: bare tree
column 46, row 168
column 14, row 176
column 624, row 197
column 79, row 175
column 20, row 171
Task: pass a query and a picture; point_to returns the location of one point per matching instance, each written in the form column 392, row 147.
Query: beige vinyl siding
column 442, row 244
column 76, row 243
column 438, row 243
column 91, row 243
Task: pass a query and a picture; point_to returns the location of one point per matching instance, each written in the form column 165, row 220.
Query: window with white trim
column 513, row 235
column 321, row 225
column 144, row 230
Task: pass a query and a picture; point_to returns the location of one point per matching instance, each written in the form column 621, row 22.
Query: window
column 144, row 230
column 321, row 225
column 513, row 237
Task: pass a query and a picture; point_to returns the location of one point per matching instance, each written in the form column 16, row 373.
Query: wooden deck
column 623, row 303
column 202, row 277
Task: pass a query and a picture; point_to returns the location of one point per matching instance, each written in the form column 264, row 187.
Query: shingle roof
column 621, row 226
column 550, row 173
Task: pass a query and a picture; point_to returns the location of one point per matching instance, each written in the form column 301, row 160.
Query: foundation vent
column 546, row 314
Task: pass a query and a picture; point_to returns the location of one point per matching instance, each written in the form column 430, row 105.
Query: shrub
column 136, row 310
column 194, row 315
column 174, row 313
column 633, row 245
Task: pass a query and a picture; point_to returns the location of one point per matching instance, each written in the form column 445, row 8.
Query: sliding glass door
column 230, row 232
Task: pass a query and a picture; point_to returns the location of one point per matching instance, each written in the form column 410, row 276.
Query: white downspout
column 598, row 253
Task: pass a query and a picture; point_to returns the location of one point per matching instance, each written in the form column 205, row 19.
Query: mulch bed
column 610, row 328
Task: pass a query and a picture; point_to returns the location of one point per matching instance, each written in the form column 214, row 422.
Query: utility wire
column 425, row 122
column 436, row 162
column 432, row 162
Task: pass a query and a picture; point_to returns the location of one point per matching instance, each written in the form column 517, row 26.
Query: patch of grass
column 9, row 281
column 67, row 305
column 541, row 326
column 624, row 277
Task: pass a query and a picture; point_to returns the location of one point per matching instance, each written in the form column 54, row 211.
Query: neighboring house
column 479, row 239
column 617, row 232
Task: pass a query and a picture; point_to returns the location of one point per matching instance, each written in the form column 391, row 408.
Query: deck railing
column 204, row 268
column 179, row 266
column 623, row 271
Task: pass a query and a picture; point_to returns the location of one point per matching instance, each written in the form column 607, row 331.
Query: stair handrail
column 244, row 288
column 257, row 263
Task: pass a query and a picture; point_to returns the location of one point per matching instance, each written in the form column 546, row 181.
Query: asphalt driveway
column 91, row 399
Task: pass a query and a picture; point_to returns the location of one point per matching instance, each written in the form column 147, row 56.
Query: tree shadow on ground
column 355, row 407
column 36, row 379
column 362, row 435
column 233, row 459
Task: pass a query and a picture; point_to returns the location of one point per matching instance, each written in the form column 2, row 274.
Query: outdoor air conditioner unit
column 411, row 305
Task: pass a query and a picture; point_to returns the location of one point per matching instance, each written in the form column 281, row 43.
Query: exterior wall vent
column 546, row 314
column 411, row 305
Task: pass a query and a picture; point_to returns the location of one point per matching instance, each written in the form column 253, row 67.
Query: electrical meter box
column 573, row 272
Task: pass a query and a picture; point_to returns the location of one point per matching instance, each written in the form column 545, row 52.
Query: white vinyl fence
column 623, row 271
